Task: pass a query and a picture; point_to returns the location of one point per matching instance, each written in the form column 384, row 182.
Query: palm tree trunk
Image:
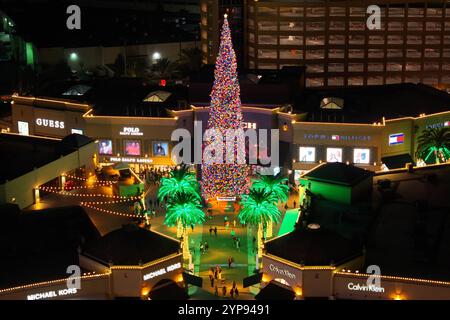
column 186, row 252
column 179, row 229
column 260, row 242
column 269, row 229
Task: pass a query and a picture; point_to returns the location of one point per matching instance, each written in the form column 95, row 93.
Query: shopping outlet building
column 367, row 126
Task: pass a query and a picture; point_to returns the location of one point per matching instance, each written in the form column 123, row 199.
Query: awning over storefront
column 398, row 161
column 168, row 290
column 254, row 279
column 274, row 291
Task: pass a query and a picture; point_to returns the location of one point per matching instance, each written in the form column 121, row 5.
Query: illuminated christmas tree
column 227, row 179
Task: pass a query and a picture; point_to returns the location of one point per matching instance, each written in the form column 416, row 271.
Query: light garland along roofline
column 67, row 103
column 32, row 136
column 403, row 170
column 296, row 265
column 444, row 283
column 90, row 115
column 148, row 264
column 38, row 284
column 372, row 125
column 419, row 117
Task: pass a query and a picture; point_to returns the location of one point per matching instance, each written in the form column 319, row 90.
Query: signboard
column 50, row 123
column 336, row 137
column 162, row 271
column 396, row 139
column 368, row 288
column 131, row 131
column 52, row 294
column 226, row 198
column 130, row 160
column 438, row 125
column 278, row 270
column 23, row 128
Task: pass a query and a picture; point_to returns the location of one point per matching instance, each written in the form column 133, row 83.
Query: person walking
column 230, row 261
column 206, row 247
column 236, row 292
column 238, row 244
column 216, row 291
column 210, row 231
column 295, row 204
column 232, row 293
column 211, row 279
column 215, row 231
column 234, row 223
column 202, row 248
column 224, row 290
column 233, row 285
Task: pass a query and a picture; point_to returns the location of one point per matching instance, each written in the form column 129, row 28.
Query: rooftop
column 29, row 152
column 314, row 247
column 131, row 245
column 369, row 104
column 39, row 245
column 338, row 173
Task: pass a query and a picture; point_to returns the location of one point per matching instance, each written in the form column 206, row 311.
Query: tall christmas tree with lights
column 227, row 179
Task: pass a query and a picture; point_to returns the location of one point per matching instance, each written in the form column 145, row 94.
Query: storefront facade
column 103, row 282
column 47, row 117
column 338, row 282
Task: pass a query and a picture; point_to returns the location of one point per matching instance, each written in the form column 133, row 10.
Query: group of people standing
column 204, row 247
column 234, row 292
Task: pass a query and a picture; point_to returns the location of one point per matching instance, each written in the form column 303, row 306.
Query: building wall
column 317, row 283
column 332, row 192
column 22, row 188
column 332, row 40
column 393, row 289
column 64, row 115
column 94, row 56
column 346, row 136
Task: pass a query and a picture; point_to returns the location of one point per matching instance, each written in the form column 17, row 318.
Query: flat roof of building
column 338, row 173
column 119, row 96
column 314, row 247
column 39, row 245
column 22, row 154
column 131, row 245
column 369, row 104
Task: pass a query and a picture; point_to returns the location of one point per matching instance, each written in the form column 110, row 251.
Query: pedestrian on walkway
column 224, row 290
column 232, row 293
column 236, row 292
column 238, row 244
column 230, row 261
column 215, row 231
column 211, row 279
column 234, row 285
column 295, row 204
column 210, row 231
column 206, row 247
column 216, row 291
column 202, row 248
column 234, row 223
column 216, row 273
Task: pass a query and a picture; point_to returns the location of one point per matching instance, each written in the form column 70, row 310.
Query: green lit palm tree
column 275, row 183
column 434, row 145
column 180, row 180
column 184, row 210
column 258, row 209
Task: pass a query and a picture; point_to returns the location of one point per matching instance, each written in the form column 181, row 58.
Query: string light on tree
column 227, row 179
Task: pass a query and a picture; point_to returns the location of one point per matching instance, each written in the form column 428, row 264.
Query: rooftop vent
column 332, row 103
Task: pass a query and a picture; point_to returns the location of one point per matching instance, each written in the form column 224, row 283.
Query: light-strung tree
column 275, row 184
column 258, row 209
column 181, row 180
column 434, row 145
column 184, row 209
column 225, row 177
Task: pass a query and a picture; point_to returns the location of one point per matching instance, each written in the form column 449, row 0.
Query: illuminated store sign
column 335, row 137
column 162, row 271
column 396, row 138
column 77, row 131
column 131, row 131
column 370, row 288
column 130, row 160
column 226, row 199
column 282, row 272
column 438, row 125
column 307, row 154
column 42, row 122
column 23, row 128
column 52, row 294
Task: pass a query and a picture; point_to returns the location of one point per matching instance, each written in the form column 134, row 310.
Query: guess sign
column 42, row 122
